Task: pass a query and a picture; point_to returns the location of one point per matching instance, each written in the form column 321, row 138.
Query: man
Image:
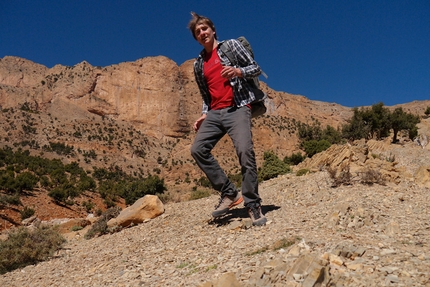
column 226, row 110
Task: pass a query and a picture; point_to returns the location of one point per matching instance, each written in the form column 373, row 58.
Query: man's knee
column 195, row 150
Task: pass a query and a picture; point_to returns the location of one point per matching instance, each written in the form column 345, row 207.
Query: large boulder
column 147, row 207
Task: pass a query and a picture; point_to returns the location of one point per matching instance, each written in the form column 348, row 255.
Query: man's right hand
column 199, row 122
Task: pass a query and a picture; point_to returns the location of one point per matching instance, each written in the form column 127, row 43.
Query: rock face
column 151, row 96
column 154, row 93
column 147, row 207
column 137, row 114
column 147, row 92
column 371, row 162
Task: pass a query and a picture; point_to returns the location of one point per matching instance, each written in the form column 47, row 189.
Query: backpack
column 257, row 106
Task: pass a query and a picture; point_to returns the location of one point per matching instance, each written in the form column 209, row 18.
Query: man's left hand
column 230, row 72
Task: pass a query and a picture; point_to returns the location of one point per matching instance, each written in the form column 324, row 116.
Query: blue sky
column 354, row 53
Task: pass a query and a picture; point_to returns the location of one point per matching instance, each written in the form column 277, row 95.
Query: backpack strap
column 225, row 48
column 227, row 51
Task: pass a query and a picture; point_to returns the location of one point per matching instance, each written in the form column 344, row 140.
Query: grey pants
column 236, row 122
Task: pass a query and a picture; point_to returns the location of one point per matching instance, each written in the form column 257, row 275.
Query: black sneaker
column 225, row 203
column 256, row 215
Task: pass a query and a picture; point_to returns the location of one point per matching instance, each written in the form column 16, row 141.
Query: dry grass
column 26, row 247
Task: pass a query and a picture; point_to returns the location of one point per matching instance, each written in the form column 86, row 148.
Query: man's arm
column 247, row 65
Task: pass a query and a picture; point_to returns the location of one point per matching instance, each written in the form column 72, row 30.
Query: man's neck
column 210, row 47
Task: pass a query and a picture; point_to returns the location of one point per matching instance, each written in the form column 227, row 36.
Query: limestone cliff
column 150, row 105
column 154, row 93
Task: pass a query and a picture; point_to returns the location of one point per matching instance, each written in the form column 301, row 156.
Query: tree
column 401, row 120
column 356, row 127
column 377, row 122
column 368, row 123
column 314, row 139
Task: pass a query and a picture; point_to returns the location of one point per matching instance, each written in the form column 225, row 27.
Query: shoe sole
column 260, row 222
column 225, row 210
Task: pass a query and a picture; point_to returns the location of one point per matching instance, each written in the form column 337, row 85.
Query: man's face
column 204, row 34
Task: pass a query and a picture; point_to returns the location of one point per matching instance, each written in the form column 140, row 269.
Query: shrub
column 400, row 120
column 372, row 176
column 76, row 228
column 377, row 121
column 100, row 226
column 315, row 132
column 302, row 171
column 272, row 167
column 427, row 112
column 59, row 148
column 313, row 147
column 58, row 194
column 343, row 178
column 23, row 181
column 199, row 193
column 27, row 212
column 26, row 247
column 10, row 199
column 236, row 179
column 294, row 159
column 204, row 182
column 88, row 205
column 134, row 190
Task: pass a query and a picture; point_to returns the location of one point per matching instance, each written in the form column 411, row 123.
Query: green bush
column 199, row 193
column 25, row 181
column 272, row 167
column 134, row 190
column 59, row 148
column 401, row 120
column 58, row 194
column 27, row 212
column 314, row 139
column 88, row 205
column 294, row 159
column 21, row 172
column 10, row 199
column 313, row 147
column 27, row 247
column 236, row 179
column 204, row 182
column 302, row 171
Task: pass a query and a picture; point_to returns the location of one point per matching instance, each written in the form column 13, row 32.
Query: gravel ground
column 389, row 223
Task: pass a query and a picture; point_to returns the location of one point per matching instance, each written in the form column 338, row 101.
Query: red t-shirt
column 219, row 88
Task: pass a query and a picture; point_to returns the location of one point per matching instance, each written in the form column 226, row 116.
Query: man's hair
column 198, row 19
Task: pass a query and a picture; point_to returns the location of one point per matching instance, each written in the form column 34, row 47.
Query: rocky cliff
column 154, row 93
column 138, row 114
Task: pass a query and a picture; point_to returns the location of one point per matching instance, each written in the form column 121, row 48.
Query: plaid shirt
column 242, row 90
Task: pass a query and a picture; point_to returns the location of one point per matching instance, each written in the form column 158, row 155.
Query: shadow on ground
column 235, row 213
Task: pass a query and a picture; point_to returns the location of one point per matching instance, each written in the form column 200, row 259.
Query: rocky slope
column 318, row 234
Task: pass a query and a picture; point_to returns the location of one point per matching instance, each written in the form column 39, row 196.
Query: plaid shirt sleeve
column 245, row 62
column 201, row 83
column 243, row 92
